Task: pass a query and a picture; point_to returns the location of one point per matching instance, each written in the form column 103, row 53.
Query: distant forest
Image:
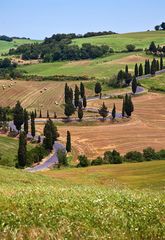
column 59, row 47
column 10, row 39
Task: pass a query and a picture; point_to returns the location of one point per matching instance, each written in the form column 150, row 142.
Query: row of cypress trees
column 74, row 100
column 127, row 108
column 149, row 68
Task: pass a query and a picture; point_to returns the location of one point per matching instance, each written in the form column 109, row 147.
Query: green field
column 73, row 205
column 155, row 83
column 101, row 67
column 8, row 150
column 6, row 46
column 119, row 41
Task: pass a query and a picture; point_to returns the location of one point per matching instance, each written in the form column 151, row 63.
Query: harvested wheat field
column 146, row 128
column 44, row 95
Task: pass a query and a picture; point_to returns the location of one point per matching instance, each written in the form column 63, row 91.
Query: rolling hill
column 6, row 46
column 104, row 66
column 119, row 41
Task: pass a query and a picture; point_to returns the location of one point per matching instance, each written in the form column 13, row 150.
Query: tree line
column 21, row 117
column 127, row 108
column 124, row 77
column 156, row 50
column 114, row 157
column 160, row 27
column 74, row 100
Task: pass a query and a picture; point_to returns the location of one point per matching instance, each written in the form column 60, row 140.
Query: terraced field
column 45, row 95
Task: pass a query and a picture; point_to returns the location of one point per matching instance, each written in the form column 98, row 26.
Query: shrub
column 161, row 154
column 83, row 161
column 97, row 161
column 112, row 157
column 133, row 156
column 62, row 158
column 149, row 154
column 36, row 154
column 130, row 47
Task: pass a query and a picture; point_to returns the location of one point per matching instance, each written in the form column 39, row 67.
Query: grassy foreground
column 34, row 206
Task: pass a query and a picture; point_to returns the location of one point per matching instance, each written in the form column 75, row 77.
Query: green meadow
column 155, row 83
column 105, row 202
column 99, row 68
column 6, row 46
column 119, row 41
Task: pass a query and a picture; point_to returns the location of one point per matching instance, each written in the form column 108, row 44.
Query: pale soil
column 128, row 59
column 78, row 63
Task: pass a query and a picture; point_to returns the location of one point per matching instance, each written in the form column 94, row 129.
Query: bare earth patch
column 128, row 59
column 78, row 63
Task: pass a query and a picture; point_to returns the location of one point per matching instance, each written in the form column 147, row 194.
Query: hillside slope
column 119, row 41
column 6, row 46
column 33, row 206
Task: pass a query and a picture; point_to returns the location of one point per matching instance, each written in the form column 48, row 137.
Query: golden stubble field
column 44, row 95
column 146, row 128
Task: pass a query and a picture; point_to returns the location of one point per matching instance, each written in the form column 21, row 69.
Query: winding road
column 54, row 158
column 50, row 162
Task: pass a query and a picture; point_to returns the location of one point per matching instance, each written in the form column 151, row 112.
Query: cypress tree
column 120, row 77
column 136, row 70
column 140, row 70
column 48, row 140
column 26, row 118
column 153, row 67
column 152, row 47
column 131, row 104
column 69, row 109
column 80, row 113
column 126, row 69
column 149, row 67
column 157, row 65
column 129, row 108
column 76, row 96
column 103, row 111
column 98, row 88
column 53, row 130
column 22, row 150
column 146, row 67
column 55, row 115
column 82, row 90
column 134, row 85
column 47, row 113
column 84, row 102
column 114, row 112
column 40, row 116
column 123, row 108
column 18, row 116
column 35, row 113
column 70, row 95
column 161, row 63
column 33, row 131
column 66, row 93
column 68, row 142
